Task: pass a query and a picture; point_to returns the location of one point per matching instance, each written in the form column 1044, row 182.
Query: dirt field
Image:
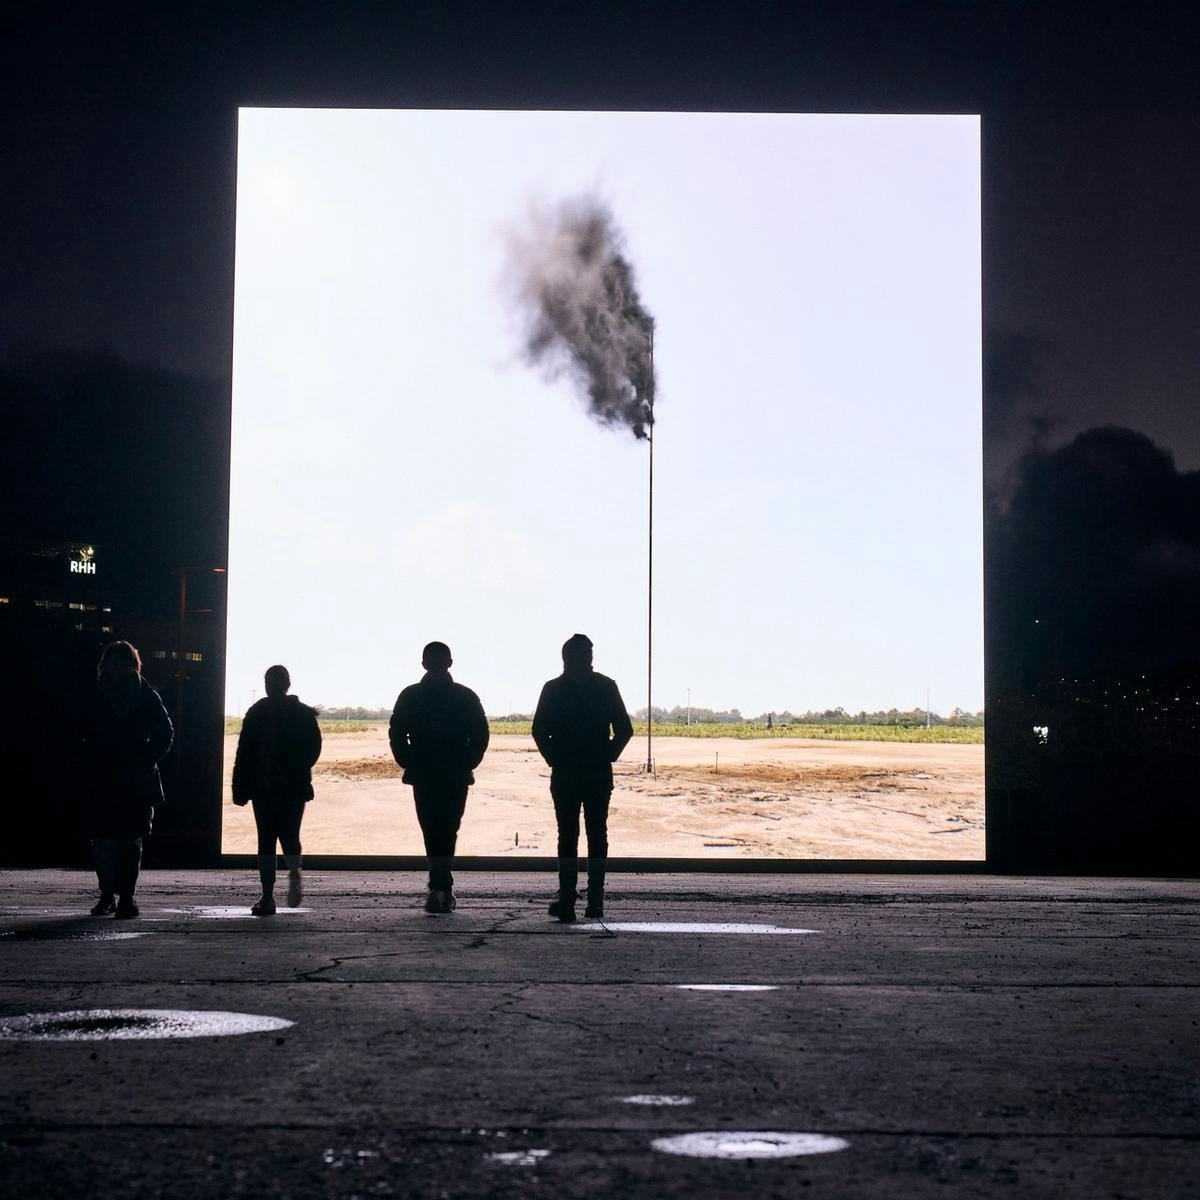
column 710, row 797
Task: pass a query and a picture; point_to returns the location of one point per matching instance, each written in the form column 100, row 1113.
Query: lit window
column 160, row 654
column 76, row 604
column 194, row 656
column 5, row 600
column 106, row 629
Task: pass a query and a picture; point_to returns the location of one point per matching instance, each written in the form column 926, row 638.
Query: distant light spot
column 732, row 1144
column 518, row 1158
column 727, row 987
column 124, row 1024
column 691, row 927
column 659, row 1101
column 228, row 912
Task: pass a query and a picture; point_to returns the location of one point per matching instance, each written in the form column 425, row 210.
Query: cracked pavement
column 966, row 1035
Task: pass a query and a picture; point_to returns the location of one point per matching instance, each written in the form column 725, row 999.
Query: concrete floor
column 965, row 1035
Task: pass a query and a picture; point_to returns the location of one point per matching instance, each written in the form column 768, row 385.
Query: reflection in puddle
column 125, row 1024
column 69, row 935
column 34, row 910
column 228, row 912
column 347, row 1158
column 733, row 1144
column 658, row 1101
column 518, row 1158
column 688, row 927
column 727, row 987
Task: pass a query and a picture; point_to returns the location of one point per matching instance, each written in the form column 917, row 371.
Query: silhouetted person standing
column 438, row 734
column 581, row 727
column 125, row 733
column 279, row 743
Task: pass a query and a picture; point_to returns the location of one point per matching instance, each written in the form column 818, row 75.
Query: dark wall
column 117, row 237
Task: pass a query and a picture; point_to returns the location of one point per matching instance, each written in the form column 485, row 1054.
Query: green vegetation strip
column 962, row 735
column 234, row 725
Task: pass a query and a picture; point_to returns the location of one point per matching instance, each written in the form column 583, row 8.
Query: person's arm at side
column 160, row 732
column 398, row 730
column 622, row 726
column 479, row 735
column 312, row 741
column 242, row 763
column 542, row 723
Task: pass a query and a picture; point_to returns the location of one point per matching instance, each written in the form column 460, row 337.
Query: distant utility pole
column 928, row 719
column 689, row 720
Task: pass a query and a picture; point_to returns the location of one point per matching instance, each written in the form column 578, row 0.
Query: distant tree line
column 830, row 716
column 351, row 713
column 678, row 715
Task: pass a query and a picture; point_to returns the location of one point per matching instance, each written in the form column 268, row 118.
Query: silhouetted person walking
column 581, row 727
column 125, row 733
column 438, row 734
column 279, row 742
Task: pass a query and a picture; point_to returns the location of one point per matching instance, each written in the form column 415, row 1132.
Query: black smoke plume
column 583, row 316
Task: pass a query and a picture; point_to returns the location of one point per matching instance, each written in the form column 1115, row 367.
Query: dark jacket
column 279, row 742
column 581, row 725
column 124, row 736
column 438, row 731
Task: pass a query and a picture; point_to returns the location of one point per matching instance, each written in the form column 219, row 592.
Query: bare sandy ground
column 710, row 797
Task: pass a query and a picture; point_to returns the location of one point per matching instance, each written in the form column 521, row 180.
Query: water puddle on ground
column 127, row 1024
column 734, row 1144
column 658, row 1101
column 518, row 1158
column 727, row 987
column 229, row 912
column 34, row 910
column 689, row 927
column 70, row 935
column 337, row 1159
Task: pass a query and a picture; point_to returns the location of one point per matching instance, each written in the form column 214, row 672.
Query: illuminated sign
column 85, row 564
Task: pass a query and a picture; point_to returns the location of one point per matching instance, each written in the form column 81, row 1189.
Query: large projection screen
column 404, row 471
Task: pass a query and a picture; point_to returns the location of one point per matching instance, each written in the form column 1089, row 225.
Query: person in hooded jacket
column 580, row 728
column 438, row 734
column 126, row 731
column 272, row 770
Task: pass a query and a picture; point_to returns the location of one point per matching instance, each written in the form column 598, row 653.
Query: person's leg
column 595, row 815
column 264, row 820
column 128, row 864
column 452, row 805
column 290, row 817
column 439, row 811
column 427, row 799
column 104, row 854
column 566, row 813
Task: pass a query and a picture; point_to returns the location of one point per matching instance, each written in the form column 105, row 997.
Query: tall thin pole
column 650, row 585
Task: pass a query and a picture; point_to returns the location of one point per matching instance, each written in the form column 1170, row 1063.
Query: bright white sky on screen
column 400, row 475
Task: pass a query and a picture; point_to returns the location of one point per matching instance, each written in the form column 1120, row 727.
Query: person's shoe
column 434, row 900
column 126, row 909
column 595, row 907
column 564, row 909
column 105, row 906
column 448, row 902
column 264, row 908
column 295, row 889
